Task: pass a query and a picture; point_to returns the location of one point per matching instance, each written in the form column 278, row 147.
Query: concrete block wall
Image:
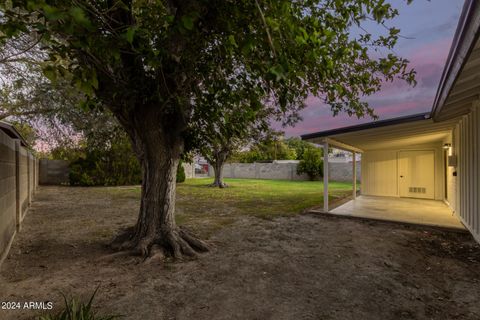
column 284, row 171
column 189, row 170
column 8, row 203
column 31, row 176
column 36, row 169
column 18, row 184
column 23, row 199
column 343, row 171
column 273, row 171
column 53, row 172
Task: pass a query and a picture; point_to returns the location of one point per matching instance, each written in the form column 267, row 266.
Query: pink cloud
column 395, row 99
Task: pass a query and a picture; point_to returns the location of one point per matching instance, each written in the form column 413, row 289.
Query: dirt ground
column 301, row 267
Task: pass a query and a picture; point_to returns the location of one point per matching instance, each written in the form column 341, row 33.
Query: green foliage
column 311, row 164
column 299, row 145
column 247, row 156
column 75, row 310
column 179, row 57
column 271, row 148
column 180, row 173
column 65, row 152
column 109, row 166
column 26, row 131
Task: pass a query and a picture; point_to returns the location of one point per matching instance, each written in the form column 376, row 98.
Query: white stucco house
column 433, row 156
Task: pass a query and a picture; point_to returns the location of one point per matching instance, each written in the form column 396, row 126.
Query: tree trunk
column 218, row 162
column 156, row 233
column 218, row 171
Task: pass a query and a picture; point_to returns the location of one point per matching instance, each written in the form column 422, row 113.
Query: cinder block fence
column 278, row 170
column 18, row 183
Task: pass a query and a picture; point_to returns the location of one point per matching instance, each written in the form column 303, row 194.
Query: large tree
column 151, row 63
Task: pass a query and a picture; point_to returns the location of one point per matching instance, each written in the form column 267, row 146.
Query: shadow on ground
column 298, row 267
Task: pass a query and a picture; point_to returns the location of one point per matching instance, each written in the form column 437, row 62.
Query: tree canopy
column 278, row 52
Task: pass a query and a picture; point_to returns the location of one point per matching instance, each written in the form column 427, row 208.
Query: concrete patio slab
column 405, row 210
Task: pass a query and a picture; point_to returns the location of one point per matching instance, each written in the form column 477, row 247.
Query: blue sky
column 428, row 28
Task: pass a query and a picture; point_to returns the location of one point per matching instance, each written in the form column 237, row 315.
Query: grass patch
column 214, row 208
column 261, row 198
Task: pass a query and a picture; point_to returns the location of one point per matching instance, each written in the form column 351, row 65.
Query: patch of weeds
column 75, row 310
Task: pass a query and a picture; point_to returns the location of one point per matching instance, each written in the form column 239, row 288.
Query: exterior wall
column 53, row 172
column 8, row 203
column 380, row 171
column 189, row 170
column 451, row 173
column 37, row 173
column 468, row 172
column 31, row 176
column 17, row 185
column 22, row 182
column 338, row 171
column 343, row 171
column 273, row 171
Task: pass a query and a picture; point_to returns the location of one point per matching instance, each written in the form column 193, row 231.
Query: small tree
column 299, row 145
column 311, row 164
column 228, row 132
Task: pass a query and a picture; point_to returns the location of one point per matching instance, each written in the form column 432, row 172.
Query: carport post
column 325, row 177
column 354, row 168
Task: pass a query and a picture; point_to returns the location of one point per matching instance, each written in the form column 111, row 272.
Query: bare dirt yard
column 290, row 266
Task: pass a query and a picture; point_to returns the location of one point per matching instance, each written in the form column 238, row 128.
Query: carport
column 405, row 164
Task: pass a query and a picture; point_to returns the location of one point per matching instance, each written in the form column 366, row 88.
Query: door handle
column 401, row 176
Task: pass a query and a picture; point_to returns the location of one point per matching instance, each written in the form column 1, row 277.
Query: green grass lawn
column 267, row 199
column 263, row 198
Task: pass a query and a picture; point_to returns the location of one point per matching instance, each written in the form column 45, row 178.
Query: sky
column 427, row 29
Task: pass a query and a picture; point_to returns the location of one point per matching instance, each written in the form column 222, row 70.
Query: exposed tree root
column 218, row 185
column 177, row 244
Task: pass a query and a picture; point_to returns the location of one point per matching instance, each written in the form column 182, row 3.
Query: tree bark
column 218, row 162
column 158, row 147
column 218, row 171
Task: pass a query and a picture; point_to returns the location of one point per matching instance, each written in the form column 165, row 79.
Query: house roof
column 369, row 125
column 10, row 130
column 417, row 130
column 460, row 82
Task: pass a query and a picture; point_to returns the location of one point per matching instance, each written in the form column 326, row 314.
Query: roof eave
column 466, row 35
column 369, row 125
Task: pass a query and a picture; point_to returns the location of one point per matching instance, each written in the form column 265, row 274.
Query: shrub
column 311, row 164
column 116, row 165
column 180, row 172
column 75, row 310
